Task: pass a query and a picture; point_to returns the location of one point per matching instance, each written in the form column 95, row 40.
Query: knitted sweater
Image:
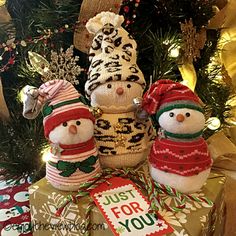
column 69, row 167
column 122, row 133
column 182, row 158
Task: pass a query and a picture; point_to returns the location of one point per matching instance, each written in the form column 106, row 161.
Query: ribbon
column 146, row 184
column 68, row 168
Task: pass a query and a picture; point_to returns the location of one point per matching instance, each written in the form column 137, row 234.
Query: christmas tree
column 176, row 40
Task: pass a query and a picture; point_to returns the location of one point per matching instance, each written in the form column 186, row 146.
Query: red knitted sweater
column 182, row 158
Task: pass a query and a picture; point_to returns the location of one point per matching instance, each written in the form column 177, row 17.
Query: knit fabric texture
column 63, row 104
column 122, row 134
column 72, row 155
column 112, row 54
column 182, row 158
column 165, row 92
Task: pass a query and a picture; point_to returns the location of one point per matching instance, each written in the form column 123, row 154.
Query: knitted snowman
column 179, row 156
column 69, row 127
column 114, row 81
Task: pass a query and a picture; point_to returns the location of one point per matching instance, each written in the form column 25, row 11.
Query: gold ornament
column 189, row 75
column 97, row 112
column 2, row 2
column 56, row 149
column 62, row 66
column 118, row 127
column 193, row 41
column 226, row 78
column 120, row 140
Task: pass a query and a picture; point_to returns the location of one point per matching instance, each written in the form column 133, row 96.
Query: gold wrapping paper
column 196, row 219
column 223, row 150
column 82, row 38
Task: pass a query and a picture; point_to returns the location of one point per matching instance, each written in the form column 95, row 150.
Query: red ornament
column 128, row 22
column 126, row 9
column 11, row 61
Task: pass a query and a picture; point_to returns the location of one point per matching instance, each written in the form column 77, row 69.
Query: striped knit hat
column 165, row 95
column 64, row 104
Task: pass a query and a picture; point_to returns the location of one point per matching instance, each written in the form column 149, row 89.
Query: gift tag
column 126, row 209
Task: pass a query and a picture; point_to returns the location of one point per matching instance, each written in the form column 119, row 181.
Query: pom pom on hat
column 112, row 54
column 96, row 23
column 166, row 94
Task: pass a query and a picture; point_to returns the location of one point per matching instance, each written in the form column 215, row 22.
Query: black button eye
column 78, row 122
column 64, row 124
column 187, row 114
column 109, row 86
column 171, row 114
column 128, row 85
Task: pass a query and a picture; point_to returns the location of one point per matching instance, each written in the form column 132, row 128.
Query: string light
column 8, row 47
column 39, row 63
column 129, row 8
column 46, row 154
column 213, row 123
column 174, row 52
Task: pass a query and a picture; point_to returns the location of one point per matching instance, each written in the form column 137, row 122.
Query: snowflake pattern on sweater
column 182, row 158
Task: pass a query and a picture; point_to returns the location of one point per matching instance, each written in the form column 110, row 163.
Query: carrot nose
column 180, row 118
column 73, row 129
column 120, row 91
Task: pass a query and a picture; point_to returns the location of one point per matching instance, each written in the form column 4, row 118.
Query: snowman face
column 182, row 121
column 72, row 132
column 21, row 196
column 116, row 95
column 6, row 214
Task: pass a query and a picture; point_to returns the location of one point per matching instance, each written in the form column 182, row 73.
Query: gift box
column 222, row 146
column 197, row 218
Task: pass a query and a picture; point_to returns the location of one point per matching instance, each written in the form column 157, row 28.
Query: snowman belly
column 54, row 176
column 184, row 184
column 121, row 134
column 122, row 138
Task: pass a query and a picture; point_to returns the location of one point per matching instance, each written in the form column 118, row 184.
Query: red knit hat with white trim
column 64, row 104
column 165, row 95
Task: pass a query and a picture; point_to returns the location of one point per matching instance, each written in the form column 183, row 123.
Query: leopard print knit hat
column 112, row 54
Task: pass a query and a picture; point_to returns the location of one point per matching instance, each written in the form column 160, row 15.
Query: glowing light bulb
column 21, row 95
column 2, row 2
column 213, row 123
column 39, row 63
column 46, row 154
column 174, row 52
